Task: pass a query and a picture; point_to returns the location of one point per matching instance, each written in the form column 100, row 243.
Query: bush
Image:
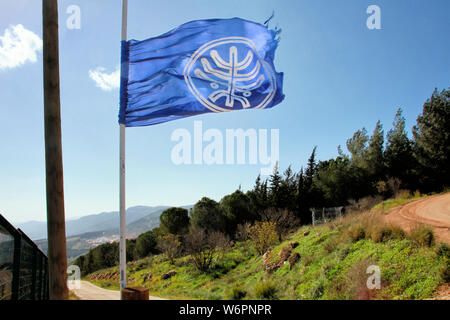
column 205, row 247
column 423, row 236
column 443, row 250
column 237, row 293
column 284, row 219
column 266, row 290
column 357, row 232
column 386, row 233
column 170, row 245
column 264, row 235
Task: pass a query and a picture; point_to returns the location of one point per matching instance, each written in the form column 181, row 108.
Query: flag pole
column 123, row 239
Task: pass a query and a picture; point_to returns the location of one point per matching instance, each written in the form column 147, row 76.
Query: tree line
column 376, row 165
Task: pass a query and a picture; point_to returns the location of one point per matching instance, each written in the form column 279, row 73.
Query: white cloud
column 18, row 46
column 105, row 81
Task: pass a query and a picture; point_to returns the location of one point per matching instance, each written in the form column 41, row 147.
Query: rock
column 285, row 253
column 168, row 274
column 266, row 258
column 293, row 259
column 293, row 244
column 274, row 266
column 306, row 233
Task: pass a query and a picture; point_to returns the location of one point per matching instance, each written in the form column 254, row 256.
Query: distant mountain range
column 91, row 223
column 88, row 231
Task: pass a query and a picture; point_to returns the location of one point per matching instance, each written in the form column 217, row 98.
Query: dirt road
column 433, row 211
column 88, row 291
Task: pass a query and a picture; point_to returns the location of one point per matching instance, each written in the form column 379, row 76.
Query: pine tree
column 432, row 142
column 398, row 153
column 310, row 169
column 357, row 146
column 374, row 156
column 275, row 185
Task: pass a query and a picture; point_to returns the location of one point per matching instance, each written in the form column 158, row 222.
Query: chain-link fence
column 23, row 266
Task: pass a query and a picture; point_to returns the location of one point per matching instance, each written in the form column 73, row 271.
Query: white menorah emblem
column 229, row 85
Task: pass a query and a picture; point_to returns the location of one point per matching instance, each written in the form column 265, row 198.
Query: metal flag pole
column 123, row 232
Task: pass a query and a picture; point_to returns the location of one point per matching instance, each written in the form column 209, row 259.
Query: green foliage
column 263, row 234
column 423, row 236
column 385, row 233
column 407, row 271
column 237, row 209
column 357, row 232
column 265, row 290
column 237, row 293
column 174, row 220
column 146, row 244
column 103, row 256
column 398, row 154
column 443, row 250
column 207, row 214
column 432, row 141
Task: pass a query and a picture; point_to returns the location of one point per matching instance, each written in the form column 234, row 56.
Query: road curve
column 433, row 211
column 88, row 291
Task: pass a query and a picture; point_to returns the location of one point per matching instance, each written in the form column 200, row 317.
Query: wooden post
column 56, row 230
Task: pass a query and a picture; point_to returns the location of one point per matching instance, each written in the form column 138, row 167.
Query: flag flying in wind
column 202, row 66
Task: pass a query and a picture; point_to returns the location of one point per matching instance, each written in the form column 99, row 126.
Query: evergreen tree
column 432, row 141
column 275, row 185
column 174, row 220
column 237, row 209
column 374, row 156
column 288, row 189
column 357, row 146
column 208, row 215
column 398, row 153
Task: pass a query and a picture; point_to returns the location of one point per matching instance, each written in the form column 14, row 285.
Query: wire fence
column 23, row 266
column 323, row 215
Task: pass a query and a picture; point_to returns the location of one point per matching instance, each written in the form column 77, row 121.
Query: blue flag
column 202, row 66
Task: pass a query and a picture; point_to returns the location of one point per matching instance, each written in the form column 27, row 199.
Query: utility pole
column 56, row 228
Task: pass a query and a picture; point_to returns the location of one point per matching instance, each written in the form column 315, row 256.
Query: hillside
column 333, row 260
column 104, row 221
column 80, row 244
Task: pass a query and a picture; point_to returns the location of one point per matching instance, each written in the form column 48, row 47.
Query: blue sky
column 339, row 76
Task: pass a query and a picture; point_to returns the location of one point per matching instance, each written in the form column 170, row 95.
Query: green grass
column 332, row 266
column 402, row 198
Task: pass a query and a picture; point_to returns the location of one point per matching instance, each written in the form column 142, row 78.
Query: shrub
column 386, row 233
column 446, row 272
column 264, row 235
column 284, row 219
column 443, row 250
column 170, row 244
column 265, row 290
column 331, row 244
column 205, row 247
column 237, row 293
column 242, row 232
column 423, row 236
column 357, row 232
